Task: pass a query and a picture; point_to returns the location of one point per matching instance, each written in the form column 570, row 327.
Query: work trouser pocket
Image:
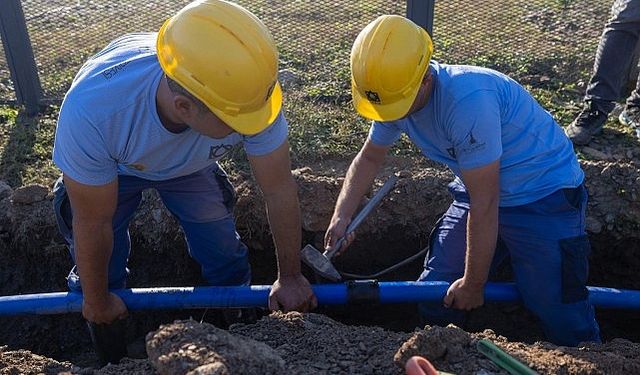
column 228, row 192
column 575, row 268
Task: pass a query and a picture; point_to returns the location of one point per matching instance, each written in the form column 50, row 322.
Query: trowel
column 321, row 262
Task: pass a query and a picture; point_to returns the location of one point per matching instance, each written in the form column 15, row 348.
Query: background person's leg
column 615, row 55
column 610, row 70
column 203, row 203
column 549, row 254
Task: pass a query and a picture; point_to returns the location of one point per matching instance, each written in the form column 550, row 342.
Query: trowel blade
column 319, row 263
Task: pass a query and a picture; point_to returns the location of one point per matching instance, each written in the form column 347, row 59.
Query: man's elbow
column 285, row 187
column 485, row 208
column 367, row 156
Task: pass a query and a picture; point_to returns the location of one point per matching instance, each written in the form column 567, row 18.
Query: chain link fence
column 542, row 43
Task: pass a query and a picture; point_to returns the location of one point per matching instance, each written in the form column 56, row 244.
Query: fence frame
column 421, row 12
column 19, row 56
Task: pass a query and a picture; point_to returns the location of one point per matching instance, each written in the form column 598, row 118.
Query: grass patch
column 25, row 148
column 547, row 45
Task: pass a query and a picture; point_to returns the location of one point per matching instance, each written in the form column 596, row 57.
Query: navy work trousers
column 202, row 202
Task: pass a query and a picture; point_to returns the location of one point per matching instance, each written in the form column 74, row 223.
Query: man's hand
column 336, row 230
column 464, row 296
column 106, row 312
column 292, row 293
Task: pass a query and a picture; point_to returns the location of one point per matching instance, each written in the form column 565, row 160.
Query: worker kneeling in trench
column 519, row 189
column 158, row 110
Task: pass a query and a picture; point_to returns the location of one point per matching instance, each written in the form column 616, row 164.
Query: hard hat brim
column 383, row 112
column 254, row 122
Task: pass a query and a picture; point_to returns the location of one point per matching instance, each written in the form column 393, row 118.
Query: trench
column 65, row 338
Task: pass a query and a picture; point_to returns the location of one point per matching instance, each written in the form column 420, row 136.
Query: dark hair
column 177, row 89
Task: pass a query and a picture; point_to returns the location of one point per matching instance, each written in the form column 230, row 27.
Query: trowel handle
column 377, row 197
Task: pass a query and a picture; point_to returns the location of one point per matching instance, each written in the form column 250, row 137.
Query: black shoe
column 588, row 123
column 631, row 117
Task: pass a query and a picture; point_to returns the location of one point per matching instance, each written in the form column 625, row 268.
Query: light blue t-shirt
column 476, row 116
column 109, row 124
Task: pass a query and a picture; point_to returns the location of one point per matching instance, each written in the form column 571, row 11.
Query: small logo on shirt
column 218, row 151
column 472, row 144
column 373, row 96
column 109, row 73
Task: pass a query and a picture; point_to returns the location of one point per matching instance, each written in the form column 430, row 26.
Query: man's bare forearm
column 482, row 232
column 93, row 243
column 357, row 182
column 283, row 211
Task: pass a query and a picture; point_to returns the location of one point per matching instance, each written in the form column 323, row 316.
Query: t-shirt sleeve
column 80, row 151
column 475, row 130
column 269, row 139
column 384, row 133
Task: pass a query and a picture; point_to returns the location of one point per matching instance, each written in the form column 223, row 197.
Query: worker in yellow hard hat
column 158, row 110
column 518, row 187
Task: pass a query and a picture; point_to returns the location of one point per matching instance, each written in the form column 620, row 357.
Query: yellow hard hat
column 388, row 61
column 225, row 56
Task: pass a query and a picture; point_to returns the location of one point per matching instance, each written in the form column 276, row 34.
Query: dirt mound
column 315, row 344
column 25, row 362
column 452, row 349
column 189, row 347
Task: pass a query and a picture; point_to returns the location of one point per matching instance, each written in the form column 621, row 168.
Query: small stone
column 598, row 155
column 157, row 215
column 593, row 225
column 29, row 194
column 300, row 171
column 610, row 218
column 404, row 174
column 5, row 190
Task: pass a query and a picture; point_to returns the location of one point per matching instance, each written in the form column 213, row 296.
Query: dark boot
column 588, row 123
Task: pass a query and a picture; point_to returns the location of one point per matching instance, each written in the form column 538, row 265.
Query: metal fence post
column 421, row 12
column 17, row 49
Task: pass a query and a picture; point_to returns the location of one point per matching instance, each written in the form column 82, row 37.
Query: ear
column 184, row 107
column 427, row 79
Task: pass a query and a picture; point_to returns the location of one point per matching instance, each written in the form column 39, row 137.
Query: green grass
column 547, row 45
column 25, row 148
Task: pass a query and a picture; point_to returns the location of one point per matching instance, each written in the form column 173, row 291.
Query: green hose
column 502, row 359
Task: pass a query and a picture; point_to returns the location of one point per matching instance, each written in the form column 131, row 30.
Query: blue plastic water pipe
column 257, row 295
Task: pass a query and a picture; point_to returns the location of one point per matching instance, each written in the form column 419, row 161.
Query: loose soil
column 348, row 339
